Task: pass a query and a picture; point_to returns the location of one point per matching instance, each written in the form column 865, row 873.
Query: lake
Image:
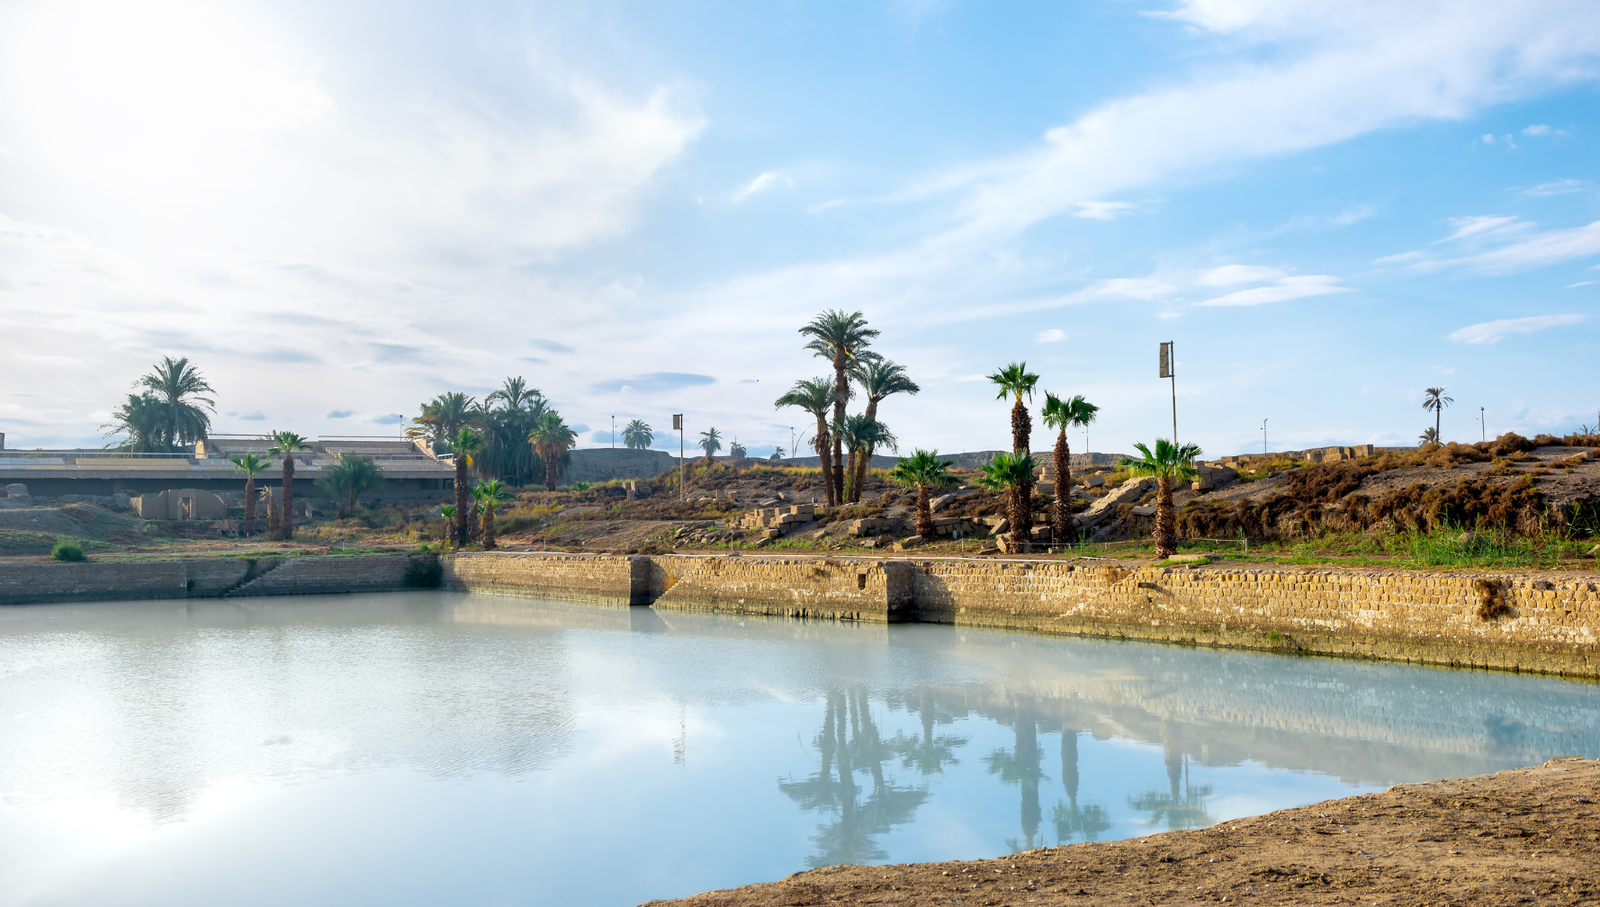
column 442, row 748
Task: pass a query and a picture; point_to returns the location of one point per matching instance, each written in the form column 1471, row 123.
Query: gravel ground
column 1526, row 836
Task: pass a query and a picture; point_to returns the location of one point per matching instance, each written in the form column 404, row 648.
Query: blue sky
column 340, row 210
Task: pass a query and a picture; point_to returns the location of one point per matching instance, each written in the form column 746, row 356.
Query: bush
column 67, row 551
column 424, row 572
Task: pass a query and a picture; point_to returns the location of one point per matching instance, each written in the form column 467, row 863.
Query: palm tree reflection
column 928, row 754
column 1021, row 767
column 849, row 742
column 1182, row 805
column 1072, row 820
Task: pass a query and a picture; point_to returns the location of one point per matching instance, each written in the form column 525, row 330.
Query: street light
column 1263, row 437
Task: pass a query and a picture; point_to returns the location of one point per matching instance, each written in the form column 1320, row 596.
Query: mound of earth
column 35, row 530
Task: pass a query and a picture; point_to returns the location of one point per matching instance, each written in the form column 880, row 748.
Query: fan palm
column 1061, row 415
column 284, row 444
column 736, row 451
column 636, row 435
column 551, row 439
column 1434, row 399
column 178, row 386
column 490, row 494
column 710, row 442
column 841, row 338
column 142, row 419
column 1169, row 462
column 349, row 477
column 923, row 470
column 860, row 435
column 463, row 445
column 1013, row 475
column 251, row 466
column 1017, row 382
column 816, row 396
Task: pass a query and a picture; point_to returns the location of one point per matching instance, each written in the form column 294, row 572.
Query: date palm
column 142, row 419
column 815, row 396
column 463, row 445
column 1017, row 382
column 1434, row 399
column 842, row 338
column 1169, row 463
column 710, row 442
column 551, row 439
column 923, row 470
column 1430, row 435
column 285, row 444
column 251, row 466
column 1061, row 415
column 443, row 416
column 879, row 379
column 178, row 387
column 1012, row 475
column 860, row 435
column 349, row 477
column 490, row 494
column 636, row 435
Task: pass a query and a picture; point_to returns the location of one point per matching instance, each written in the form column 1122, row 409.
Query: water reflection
column 487, row 729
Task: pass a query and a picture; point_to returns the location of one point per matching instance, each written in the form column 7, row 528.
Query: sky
column 338, row 211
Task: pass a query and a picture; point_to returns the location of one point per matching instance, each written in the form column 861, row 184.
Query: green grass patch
column 68, row 550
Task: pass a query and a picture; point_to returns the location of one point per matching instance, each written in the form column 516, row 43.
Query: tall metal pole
column 1483, row 425
column 613, row 432
column 1263, row 437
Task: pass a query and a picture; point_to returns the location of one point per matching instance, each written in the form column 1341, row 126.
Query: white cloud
column 1537, row 129
column 1284, row 290
column 1232, row 275
column 1547, row 248
column 1487, row 139
column 1102, row 210
column 1053, row 335
column 1581, row 283
column 1484, row 225
column 768, row 180
column 1496, row 331
column 1558, row 187
column 1401, row 258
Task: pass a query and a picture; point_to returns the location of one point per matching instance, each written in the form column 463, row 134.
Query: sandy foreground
column 1529, row 836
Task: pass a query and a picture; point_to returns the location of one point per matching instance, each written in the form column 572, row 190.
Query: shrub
column 67, row 551
column 424, row 571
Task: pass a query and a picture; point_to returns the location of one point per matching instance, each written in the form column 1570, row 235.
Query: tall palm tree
column 251, row 466
column 923, row 470
column 1017, row 382
column 710, row 442
column 1061, row 415
column 1430, row 435
column 1012, row 474
column 860, row 434
column 506, row 417
column 284, row 444
column 489, row 495
column 842, row 339
column 1435, row 400
column 636, row 435
column 443, row 416
column 551, row 439
column 463, row 445
column 515, row 394
column 879, row 379
column 1168, row 463
column 816, row 396
column 143, row 420
column 178, row 386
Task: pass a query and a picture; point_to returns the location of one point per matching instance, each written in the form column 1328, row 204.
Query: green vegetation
column 490, row 495
column 284, row 444
column 1017, row 382
column 860, row 434
column 67, row 551
column 923, row 470
column 349, row 477
column 843, row 339
column 463, row 444
column 1012, row 474
column 710, row 442
column 251, row 466
column 170, row 412
column 1434, row 400
column 636, row 435
column 1061, row 415
column 815, row 396
column 551, row 440
column 1169, row 462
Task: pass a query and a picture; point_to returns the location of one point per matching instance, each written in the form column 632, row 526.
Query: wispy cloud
column 1284, row 290
column 766, row 181
column 1233, row 275
column 1103, row 210
column 1496, row 331
column 1053, row 335
column 1484, row 225
column 1558, row 187
column 654, row 382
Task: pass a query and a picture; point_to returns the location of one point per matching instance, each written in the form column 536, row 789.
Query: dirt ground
column 1526, row 836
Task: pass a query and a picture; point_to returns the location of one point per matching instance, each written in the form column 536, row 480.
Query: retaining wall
column 584, row 577
column 33, row 582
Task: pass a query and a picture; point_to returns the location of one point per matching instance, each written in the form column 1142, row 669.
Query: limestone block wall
column 584, row 577
column 844, row 588
column 328, row 576
column 42, row 582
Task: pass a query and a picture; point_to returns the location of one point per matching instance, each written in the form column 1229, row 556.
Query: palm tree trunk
column 474, row 523
column 852, row 488
column 1017, row 514
column 1021, row 428
column 352, row 500
column 488, row 527
column 1166, row 534
column 286, row 510
column 274, row 520
column 863, row 466
column 249, row 505
column 1438, row 414
column 549, row 475
column 924, row 513
column 841, row 390
column 824, row 458
column 460, row 528
column 1061, row 525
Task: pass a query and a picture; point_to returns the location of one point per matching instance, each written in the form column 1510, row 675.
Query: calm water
column 435, row 748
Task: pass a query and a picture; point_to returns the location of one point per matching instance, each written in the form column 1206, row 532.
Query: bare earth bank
column 1529, row 835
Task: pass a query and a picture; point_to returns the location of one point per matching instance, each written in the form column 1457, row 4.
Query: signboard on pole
column 1166, row 359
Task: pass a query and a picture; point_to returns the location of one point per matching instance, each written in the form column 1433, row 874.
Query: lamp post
column 613, row 432
column 1263, row 437
column 1483, row 425
column 683, row 491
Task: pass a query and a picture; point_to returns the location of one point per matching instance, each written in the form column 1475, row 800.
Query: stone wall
column 601, row 464
column 584, row 577
column 841, row 589
column 40, row 582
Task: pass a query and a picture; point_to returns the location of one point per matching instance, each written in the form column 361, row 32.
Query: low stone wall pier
column 213, row 577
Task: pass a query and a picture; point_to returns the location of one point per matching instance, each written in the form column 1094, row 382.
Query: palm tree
column 284, row 444
column 443, row 416
column 777, row 452
column 142, row 419
column 880, row 378
column 251, row 466
column 177, row 386
column 463, row 445
column 1168, row 463
column 923, row 470
column 506, row 417
column 551, row 439
column 710, row 442
column 515, row 394
column 1016, row 381
column 349, row 477
column 489, row 495
column 1063, row 414
column 815, row 396
column 1435, row 400
column 636, row 435
column 842, row 339
column 1012, row 474
column 860, row 434
column 1430, row 435
column 736, row 451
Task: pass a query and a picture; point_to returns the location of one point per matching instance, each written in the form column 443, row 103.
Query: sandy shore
column 1528, row 835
